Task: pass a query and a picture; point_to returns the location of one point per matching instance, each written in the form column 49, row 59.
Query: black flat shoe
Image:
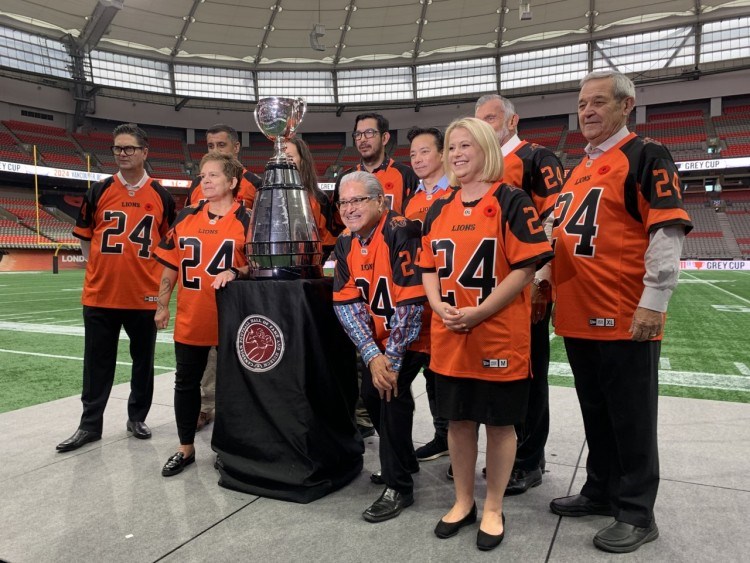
column 80, row 438
column 488, row 542
column 176, row 464
column 138, row 429
column 445, row 530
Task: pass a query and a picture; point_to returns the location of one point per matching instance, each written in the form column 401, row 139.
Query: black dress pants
column 440, row 423
column 617, row 387
column 533, row 433
column 393, row 421
column 191, row 363
column 102, row 333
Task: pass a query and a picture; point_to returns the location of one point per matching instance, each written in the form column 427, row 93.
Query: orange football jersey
column 246, row 193
column 472, row 248
column 382, row 274
column 124, row 226
column 199, row 248
column 537, row 171
column 603, row 217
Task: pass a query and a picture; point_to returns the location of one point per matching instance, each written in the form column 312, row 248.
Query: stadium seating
column 21, row 231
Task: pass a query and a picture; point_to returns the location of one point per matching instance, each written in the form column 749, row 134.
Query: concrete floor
column 108, row 501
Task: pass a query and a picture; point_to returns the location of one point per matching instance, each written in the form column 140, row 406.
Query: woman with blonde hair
column 481, row 245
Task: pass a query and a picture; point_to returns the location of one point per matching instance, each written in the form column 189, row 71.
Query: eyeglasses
column 127, row 151
column 367, row 134
column 355, row 202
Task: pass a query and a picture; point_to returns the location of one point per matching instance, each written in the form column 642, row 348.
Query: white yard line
column 164, row 337
column 58, row 357
column 679, row 378
column 664, row 363
column 719, row 288
column 742, row 368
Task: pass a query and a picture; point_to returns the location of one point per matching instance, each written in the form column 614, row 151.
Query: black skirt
column 487, row 402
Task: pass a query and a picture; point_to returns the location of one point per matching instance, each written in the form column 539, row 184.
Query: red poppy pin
column 148, row 207
column 604, row 169
column 490, row 211
column 389, row 186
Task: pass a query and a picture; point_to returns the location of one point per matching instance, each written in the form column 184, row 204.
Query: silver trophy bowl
column 278, row 119
column 283, row 240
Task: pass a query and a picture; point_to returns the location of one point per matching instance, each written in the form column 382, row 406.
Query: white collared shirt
column 136, row 186
column 510, row 145
column 595, row 152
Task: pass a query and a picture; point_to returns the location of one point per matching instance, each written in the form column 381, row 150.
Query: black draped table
column 286, row 390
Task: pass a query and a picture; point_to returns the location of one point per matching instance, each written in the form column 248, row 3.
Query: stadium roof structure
column 277, row 33
column 344, row 53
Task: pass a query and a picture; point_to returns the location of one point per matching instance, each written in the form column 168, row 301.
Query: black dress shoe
column 176, row 464
column 488, row 542
column 139, row 429
column 620, row 537
column 521, row 481
column 78, row 439
column 389, row 505
column 377, row 476
column 579, row 505
column 445, row 530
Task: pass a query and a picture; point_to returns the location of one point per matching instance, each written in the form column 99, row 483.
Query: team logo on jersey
column 494, row 363
column 398, row 222
column 467, row 212
column 260, row 343
column 601, row 322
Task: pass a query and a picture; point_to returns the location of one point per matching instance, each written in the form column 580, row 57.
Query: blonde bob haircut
column 486, row 139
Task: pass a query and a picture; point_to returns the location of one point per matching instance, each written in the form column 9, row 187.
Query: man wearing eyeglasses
column 370, row 137
column 122, row 218
column 537, row 171
column 220, row 139
column 379, row 299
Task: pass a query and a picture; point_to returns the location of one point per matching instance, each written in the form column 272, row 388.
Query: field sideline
column 705, row 354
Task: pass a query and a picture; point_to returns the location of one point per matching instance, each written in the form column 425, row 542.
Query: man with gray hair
column 618, row 230
column 379, row 299
column 537, row 171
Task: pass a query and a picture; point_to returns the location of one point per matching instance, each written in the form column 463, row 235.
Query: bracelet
column 236, row 272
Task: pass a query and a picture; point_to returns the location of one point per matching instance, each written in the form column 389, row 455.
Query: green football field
column 706, row 350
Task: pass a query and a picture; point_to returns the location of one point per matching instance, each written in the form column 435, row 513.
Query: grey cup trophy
column 283, row 240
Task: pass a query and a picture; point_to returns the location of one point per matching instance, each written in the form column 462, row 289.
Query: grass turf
column 709, row 318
